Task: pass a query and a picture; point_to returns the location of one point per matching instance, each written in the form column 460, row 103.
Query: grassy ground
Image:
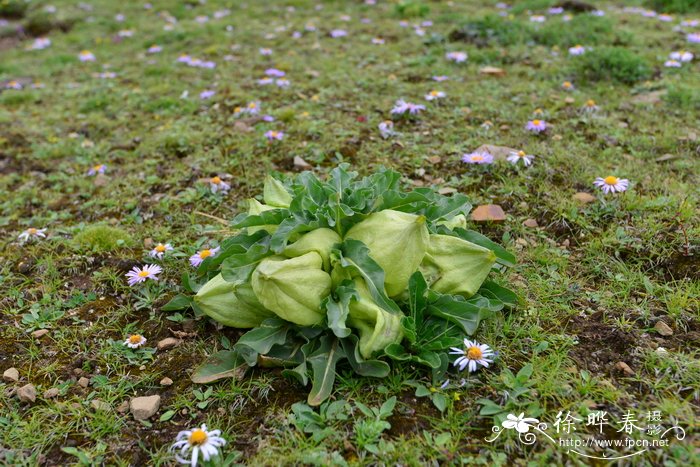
column 595, row 278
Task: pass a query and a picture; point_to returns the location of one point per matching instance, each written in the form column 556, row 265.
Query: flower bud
column 231, row 304
column 320, row 240
column 293, row 288
column 456, row 266
column 397, row 241
column 378, row 327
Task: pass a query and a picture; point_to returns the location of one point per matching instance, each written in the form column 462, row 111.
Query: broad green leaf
column 178, row 302
column 416, row 296
column 261, row 339
column 237, row 268
column 271, row 217
column 323, row 362
column 440, row 401
column 375, row 368
column 505, row 296
column 466, row 314
column 337, row 308
column 224, row 364
column 504, row 256
column 355, row 254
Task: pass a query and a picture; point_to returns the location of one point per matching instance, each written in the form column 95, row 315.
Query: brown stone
column 663, row 329
column 83, row 382
column 584, row 197
column 168, row 343
column 492, row 71
column 11, row 375
column 123, row 407
column 51, row 393
column 166, row 381
column 532, row 223
column 498, row 152
column 40, row 333
column 625, row 368
column 488, row 212
column 143, row 408
column 300, row 163
column 27, row 393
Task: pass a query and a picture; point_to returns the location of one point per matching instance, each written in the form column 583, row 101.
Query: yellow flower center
column 32, row 231
column 97, row 167
column 205, row 254
column 567, row 84
column 143, row 273
column 477, row 158
column 434, row 93
column 610, row 180
column 273, row 134
column 521, row 153
column 160, row 248
column 536, row 122
column 216, row 180
column 578, row 46
column 198, row 437
column 85, row 52
column 134, row 339
column 590, row 103
column 237, row 109
column 474, row 353
column 252, row 105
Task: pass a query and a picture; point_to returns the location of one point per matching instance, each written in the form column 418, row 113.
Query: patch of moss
column 102, row 238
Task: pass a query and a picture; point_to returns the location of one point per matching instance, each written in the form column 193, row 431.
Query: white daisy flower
column 32, row 234
column 159, row 250
column 577, row 50
column 434, row 95
column 134, row 341
column 199, row 257
column 515, row 157
column 612, row 184
column 86, row 56
column 682, row 56
column 197, row 441
column 386, row 129
column 147, row 271
column 590, row 107
column 472, row 356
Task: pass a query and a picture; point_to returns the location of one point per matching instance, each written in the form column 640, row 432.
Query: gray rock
column 11, row 375
column 143, row 408
column 27, row 393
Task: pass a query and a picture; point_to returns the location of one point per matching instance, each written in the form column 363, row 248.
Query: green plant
column 610, row 63
column 674, row 6
column 492, row 29
column 587, row 30
column 318, row 424
column 354, row 270
column 102, row 238
column 684, row 97
column 369, row 429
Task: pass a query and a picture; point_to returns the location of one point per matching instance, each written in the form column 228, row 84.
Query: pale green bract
column 397, row 241
column 455, row 266
column 347, row 269
column 293, row 288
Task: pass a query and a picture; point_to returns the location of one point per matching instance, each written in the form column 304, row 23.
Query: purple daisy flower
column 536, row 126
column 477, row 158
